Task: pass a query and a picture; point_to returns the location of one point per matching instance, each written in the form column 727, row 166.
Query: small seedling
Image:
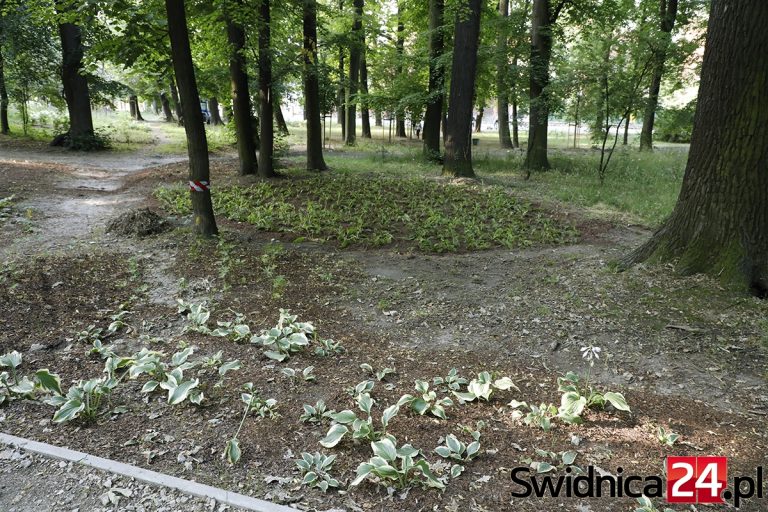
column 315, row 470
column 316, row 413
column 667, row 438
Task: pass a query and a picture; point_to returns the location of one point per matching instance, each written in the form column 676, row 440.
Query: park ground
column 398, row 291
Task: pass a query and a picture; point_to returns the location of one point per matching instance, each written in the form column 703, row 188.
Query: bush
column 675, row 124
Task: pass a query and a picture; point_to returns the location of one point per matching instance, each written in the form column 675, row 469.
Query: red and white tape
column 199, row 186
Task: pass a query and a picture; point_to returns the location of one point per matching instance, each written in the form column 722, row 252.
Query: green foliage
column 456, row 450
column 453, row 381
column 82, row 400
column 577, row 397
column 379, row 374
column 347, row 422
column 667, row 438
column 483, row 386
column 286, row 338
column 328, row 347
column 316, row 413
column 553, row 461
column 253, row 404
column 675, row 124
column 396, row 466
column 373, row 211
column 537, row 415
column 426, row 401
column 315, row 470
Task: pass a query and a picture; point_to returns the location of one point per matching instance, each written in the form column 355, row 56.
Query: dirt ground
column 687, row 355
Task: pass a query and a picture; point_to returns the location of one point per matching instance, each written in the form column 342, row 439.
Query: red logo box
column 696, row 479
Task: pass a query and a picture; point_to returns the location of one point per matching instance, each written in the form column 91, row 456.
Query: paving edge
column 144, row 475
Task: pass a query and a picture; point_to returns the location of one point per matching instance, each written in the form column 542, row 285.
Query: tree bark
column 434, row 112
column 355, row 55
column 458, row 148
column 341, row 98
column 241, row 99
column 515, row 125
column 365, row 111
column 720, row 223
column 5, row 128
column 135, row 110
column 197, row 145
column 213, row 107
column 378, row 118
column 400, row 45
column 541, row 53
column 267, row 137
column 74, row 81
column 176, row 103
column 479, row 119
column 166, row 107
column 502, row 68
column 668, row 13
column 315, row 160
column 282, row 126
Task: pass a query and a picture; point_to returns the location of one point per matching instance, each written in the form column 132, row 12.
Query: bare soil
column 687, row 355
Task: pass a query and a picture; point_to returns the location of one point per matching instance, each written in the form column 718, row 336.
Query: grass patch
column 374, row 211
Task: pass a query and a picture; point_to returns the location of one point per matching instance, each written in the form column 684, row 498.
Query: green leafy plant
column 483, row 386
column 452, row 381
column 379, row 374
column 328, row 347
column 315, row 470
column 307, row 374
column 553, row 461
column 426, row 401
column 537, row 415
column 361, row 388
column 169, row 377
column 82, row 400
column 396, row 466
column 316, row 413
column 12, row 384
column 347, row 422
column 197, row 316
column 667, row 438
column 286, row 338
column 456, row 450
column 253, row 404
column 236, row 330
column 90, row 334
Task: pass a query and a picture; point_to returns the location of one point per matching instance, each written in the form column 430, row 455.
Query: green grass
column 373, row 211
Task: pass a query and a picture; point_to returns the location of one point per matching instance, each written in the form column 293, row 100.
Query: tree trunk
column 74, row 81
column 282, row 126
column 155, row 105
column 197, row 145
column 400, row 44
column 213, row 107
column 341, row 115
column 131, row 107
column 434, row 113
column 241, row 99
column 5, row 128
column 515, row 126
column 668, row 13
column 502, row 68
column 365, row 111
column 267, row 137
column 135, row 110
column 541, row 53
column 479, row 119
column 166, row 107
column 626, row 132
column 315, row 160
column 176, row 103
column 720, row 223
column 378, row 118
column 458, row 149
column 355, row 55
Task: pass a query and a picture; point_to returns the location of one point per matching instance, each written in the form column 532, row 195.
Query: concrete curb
column 144, row 475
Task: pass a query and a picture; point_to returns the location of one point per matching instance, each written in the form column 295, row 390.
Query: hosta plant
column 347, row 422
column 12, row 384
column 361, row 388
column 168, row 376
column 426, row 401
column 286, row 338
column 328, row 347
column 397, row 467
column 307, row 374
column 553, row 461
column 197, row 316
column 316, row 413
column 667, row 438
column 82, row 400
column 456, row 450
column 315, row 470
column 380, row 374
column 577, row 397
column 483, row 386
column 253, row 403
column 236, row 330
column 453, row 381
column 538, row 415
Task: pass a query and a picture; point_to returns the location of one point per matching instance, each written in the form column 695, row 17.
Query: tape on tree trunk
column 199, row 186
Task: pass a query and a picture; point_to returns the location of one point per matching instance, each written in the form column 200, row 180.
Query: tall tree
column 668, row 14
column 135, row 109
column 241, row 98
column 542, row 21
column 365, row 109
column 355, row 55
column 502, row 69
column 720, row 223
column 197, row 145
column 315, row 160
column 5, row 128
column 434, row 113
column 166, row 107
column 400, row 45
column 72, row 76
column 267, row 137
column 213, row 108
column 458, row 150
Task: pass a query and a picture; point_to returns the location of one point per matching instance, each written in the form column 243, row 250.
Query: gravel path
column 32, row 483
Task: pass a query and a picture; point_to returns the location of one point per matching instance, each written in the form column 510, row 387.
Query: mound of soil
column 138, row 223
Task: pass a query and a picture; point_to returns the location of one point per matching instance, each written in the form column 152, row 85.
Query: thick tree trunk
column 5, row 128
column 197, row 145
column 341, row 96
column 131, row 107
column 267, row 137
column 365, row 111
column 355, row 55
column 135, row 110
column 668, row 13
column 458, row 149
column 479, row 119
column 241, row 100
column 541, row 53
column 315, row 160
column 515, row 126
column 213, row 107
column 400, row 44
column 282, row 126
column 720, row 223
column 74, row 81
column 434, row 113
column 176, row 103
column 502, row 68
column 166, row 107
